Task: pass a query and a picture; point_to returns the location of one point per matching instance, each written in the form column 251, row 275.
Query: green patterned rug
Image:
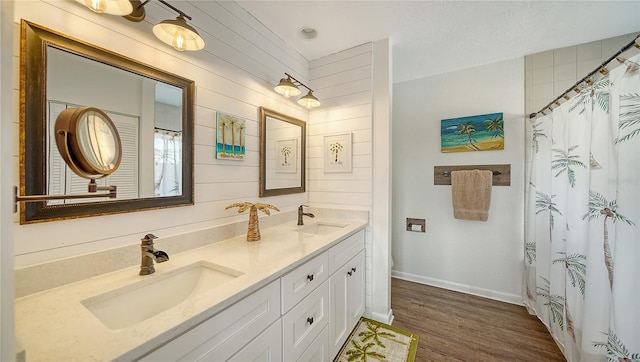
column 375, row 341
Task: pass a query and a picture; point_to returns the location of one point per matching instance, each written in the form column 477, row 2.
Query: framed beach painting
column 230, row 137
column 483, row 132
column 337, row 153
column 286, row 156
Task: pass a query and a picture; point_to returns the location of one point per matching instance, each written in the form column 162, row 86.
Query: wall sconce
column 177, row 33
column 288, row 87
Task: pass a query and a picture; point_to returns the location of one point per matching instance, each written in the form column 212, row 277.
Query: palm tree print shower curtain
column 582, row 247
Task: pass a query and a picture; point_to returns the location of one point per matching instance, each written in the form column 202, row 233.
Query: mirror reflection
column 152, row 110
column 147, row 114
column 282, row 154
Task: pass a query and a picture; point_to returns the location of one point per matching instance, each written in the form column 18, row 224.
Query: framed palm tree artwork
column 337, row 153
column 483, row 132
column 230, row 137
column 286, row 155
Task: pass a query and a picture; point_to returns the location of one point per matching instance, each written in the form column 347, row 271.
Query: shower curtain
column 582, row 246
column 168, row 163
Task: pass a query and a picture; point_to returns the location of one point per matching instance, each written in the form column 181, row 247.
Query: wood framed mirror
column 153, row 111
column 282, row 154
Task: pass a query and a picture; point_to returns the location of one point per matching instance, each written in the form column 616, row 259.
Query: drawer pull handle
column 310, row 277
column 353, row 270
column 310, row 320
column 350, row 272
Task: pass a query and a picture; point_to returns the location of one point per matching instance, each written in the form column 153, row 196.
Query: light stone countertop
column 53, row 325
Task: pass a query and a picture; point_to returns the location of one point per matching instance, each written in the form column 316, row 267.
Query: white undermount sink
column 129, row 305
column 320, row 228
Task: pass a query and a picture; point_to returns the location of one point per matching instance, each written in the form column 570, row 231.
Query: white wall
column 344, row 82
column 235, row 74
column 7, row 145
column 484, row 258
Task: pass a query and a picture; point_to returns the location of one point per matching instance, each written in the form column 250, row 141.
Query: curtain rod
column 587, row 79
column 165, row 129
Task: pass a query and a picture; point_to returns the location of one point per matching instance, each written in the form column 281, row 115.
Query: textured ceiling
column 432, row 37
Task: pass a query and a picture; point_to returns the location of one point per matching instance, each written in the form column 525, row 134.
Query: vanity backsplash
column 39, row 277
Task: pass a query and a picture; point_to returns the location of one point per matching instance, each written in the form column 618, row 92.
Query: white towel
column 471, row 194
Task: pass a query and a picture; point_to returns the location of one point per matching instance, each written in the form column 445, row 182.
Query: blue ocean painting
column 483, row 132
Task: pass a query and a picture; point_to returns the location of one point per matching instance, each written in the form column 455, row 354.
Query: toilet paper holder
column 416, row 225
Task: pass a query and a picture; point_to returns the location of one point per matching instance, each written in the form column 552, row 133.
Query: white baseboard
column 481, row 292
column 380, row 317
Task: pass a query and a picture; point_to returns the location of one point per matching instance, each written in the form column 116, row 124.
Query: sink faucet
column 301, row 213
column 150, row 255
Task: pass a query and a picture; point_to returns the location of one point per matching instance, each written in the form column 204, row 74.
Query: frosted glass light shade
column 309, row 101
column 178, row 34
column 287, row 88
column 113, row 7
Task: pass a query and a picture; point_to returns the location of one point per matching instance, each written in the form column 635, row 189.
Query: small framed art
column 286, row 156
column 230, row 137
column 337, row 153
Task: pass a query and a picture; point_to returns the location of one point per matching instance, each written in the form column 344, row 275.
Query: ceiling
column 432, row 37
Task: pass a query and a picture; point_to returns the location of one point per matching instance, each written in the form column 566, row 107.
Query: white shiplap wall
column 7, row 140
column 234, row 74
column 343, row 83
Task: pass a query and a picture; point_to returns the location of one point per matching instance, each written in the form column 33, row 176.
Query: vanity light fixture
column 175, row 32
column 288, row 87
column 113, row 7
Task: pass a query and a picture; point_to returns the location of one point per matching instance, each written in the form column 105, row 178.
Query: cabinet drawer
column 318, row 351
column 301, row 281
column 302, row 325
column 224, row 334
column 345, row 250
column 265, row 347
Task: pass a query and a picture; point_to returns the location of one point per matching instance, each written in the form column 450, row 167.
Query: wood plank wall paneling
column 234, row 74
column 343, row 83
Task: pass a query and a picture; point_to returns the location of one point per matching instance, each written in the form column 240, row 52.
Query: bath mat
column 374, row 341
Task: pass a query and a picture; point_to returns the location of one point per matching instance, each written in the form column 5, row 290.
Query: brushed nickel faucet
column 150, row 255
column 301, row 213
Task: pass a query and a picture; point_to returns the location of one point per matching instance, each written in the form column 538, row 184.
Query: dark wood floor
column 459, row 327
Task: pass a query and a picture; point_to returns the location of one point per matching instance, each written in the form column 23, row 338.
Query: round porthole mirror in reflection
column 88, row 142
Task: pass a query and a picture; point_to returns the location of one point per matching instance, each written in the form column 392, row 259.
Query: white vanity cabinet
column 305, row 315
column 229, row 332
column 305, row 306
column 346, row 290
column 317, row 319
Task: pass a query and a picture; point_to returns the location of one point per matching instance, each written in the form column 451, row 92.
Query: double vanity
column 294, row 295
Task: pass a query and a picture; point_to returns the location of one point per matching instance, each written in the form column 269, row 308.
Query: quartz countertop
column 55, row 325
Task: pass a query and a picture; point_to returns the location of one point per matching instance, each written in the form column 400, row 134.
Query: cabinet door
column 339, row 311
column 346, row 301
column 267, row 347
column 356, row 288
